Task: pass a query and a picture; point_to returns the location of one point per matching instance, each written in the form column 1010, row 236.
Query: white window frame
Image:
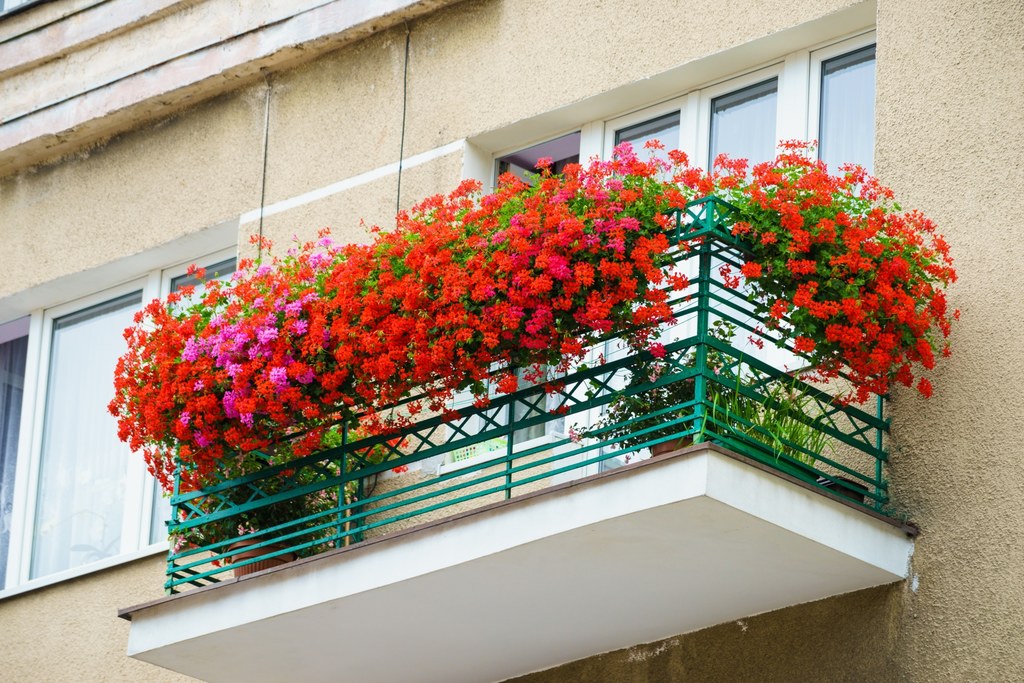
column 139, row 489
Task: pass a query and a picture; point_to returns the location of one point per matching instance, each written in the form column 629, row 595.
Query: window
column 847, row 109
column 13, row 353
column 73, row 495
column 522, row 163
column 743, row 123
column 664, row 128
column 80, row 516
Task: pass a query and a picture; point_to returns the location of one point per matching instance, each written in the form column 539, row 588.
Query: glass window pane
column 160, row 513
column 561, row 151
column 664, row 128
column 216, row 271
column 523, row 411
column 847, row 130
column 743, row 123
column 83, row 468
column 12, row 383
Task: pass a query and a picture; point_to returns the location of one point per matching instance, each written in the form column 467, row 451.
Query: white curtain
column 82, row 477
column 12, row 383
column 848, row 110
column 743, row 123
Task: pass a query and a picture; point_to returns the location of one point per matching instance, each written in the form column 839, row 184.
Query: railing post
column 700, row 388
column 171, row 573
column 510, row 445
column 343, row 540
column 878, row 453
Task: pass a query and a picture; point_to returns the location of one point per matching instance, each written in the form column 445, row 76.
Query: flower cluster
column 837, row 267
column 468, row 288
column 529, row 275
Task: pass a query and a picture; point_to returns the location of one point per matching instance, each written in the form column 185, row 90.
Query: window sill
column 84, row 570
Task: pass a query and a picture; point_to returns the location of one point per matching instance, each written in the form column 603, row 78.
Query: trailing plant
column 837, row 268
column 467, row 289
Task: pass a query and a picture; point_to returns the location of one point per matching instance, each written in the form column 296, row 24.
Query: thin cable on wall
column 401, row 148
column 405, row 105
column 263, row 183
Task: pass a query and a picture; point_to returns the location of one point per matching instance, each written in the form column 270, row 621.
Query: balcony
column 539, row 529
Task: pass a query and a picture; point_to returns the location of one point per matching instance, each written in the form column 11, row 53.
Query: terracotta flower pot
column 244, row 555
column 669, row 446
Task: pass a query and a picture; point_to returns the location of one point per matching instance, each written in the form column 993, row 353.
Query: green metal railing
column 724, row 389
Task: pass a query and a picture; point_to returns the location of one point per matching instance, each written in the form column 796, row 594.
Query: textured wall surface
column 481, row 65
column 139, row 191
column 350, row 213
column 849, row 638
column 336, row 118
column 70, row 633
column 950, row 140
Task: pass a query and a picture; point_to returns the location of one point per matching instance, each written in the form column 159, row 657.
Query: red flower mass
column 529, row 275
column 526, row 276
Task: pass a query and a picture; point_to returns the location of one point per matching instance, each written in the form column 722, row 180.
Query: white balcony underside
column 672, row 545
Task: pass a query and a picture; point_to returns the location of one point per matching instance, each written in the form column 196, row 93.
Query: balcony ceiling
column 654, row 549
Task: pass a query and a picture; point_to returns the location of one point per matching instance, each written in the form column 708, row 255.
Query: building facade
column 138, row 137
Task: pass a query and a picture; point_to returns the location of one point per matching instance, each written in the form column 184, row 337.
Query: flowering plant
column 527, row 276
column 467, row 289
column 837, row 267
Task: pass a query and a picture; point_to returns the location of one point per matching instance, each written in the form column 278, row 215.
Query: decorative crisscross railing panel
column 724, row 391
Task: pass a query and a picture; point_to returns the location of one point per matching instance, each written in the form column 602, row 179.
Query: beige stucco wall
column 70, row 633
column 135, row 193
column 951, row 139
column 849, row 638
column 336, row 118
column 351, row 213
column 482, row 65
column 950, row 134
